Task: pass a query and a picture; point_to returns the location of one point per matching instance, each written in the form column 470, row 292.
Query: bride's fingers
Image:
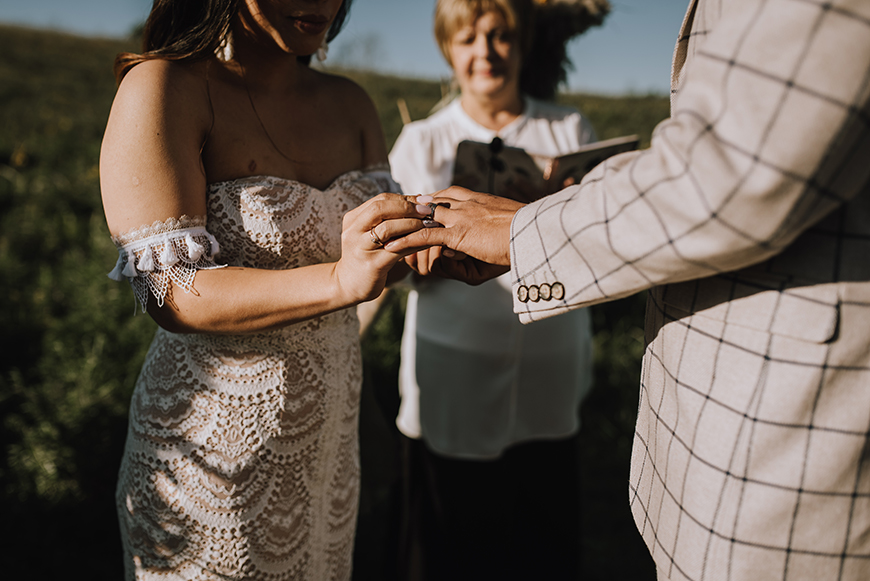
column 388, row 207
column 437, row 200
column 423, row 238
column 426, row 258
column 380, row 208
column 417, row 261
column 434, row 210
column 411, row 261
column 387, row 230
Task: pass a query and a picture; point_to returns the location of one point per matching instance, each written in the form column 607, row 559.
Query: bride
column 241, row 191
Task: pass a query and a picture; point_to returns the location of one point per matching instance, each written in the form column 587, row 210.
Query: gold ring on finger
column 375, row 240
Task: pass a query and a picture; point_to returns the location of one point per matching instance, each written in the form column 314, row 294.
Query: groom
column 749, row 221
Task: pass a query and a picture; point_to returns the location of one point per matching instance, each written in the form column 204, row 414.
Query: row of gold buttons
column 545, row 292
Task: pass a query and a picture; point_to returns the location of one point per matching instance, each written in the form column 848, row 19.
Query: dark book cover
column 512, row 172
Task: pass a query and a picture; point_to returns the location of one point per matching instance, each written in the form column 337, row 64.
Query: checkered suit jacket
column 749, row 220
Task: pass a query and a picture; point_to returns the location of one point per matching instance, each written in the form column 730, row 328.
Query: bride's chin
column 294, row 47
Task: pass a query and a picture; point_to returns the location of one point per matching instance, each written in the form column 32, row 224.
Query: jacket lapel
column 681, row 51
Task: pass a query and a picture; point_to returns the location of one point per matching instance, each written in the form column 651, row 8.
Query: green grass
column 71, row 347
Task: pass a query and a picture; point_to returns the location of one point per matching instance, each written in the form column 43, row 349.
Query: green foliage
column 615, row 117
column 71, row 347
column 385, row 91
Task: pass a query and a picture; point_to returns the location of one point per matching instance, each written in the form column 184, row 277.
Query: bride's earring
column 322, row 51
column 224, row 50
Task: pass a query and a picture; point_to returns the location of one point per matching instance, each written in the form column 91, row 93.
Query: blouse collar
column 507, row 133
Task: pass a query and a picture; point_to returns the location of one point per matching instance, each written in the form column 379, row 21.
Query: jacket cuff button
column 545, row 291
column 523, row 294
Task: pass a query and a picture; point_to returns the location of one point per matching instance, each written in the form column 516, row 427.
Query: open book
column 512, row 172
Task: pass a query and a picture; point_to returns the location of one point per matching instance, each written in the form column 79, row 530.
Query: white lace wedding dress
column 241, row 459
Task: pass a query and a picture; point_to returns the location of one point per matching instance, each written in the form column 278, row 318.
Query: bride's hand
column 361, row 272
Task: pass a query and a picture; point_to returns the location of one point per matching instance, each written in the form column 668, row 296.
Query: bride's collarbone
column 300, row 140
column 243, row 162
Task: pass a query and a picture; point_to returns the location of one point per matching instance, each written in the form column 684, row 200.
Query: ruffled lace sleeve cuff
column 171, row 251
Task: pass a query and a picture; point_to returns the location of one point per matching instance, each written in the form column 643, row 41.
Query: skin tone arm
column 151, row 170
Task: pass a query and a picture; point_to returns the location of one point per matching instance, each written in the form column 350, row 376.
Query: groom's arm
column 763, row 132
column 764, row 128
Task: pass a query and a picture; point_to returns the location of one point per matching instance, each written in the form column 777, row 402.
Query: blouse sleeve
column 415, row 163
column 172, row 251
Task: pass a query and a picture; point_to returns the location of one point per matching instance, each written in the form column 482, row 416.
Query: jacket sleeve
column 768, row 134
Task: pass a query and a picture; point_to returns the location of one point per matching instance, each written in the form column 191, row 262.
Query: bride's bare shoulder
column 166, row 87
column 150, row 165
column 162, row 73
column 341, row 90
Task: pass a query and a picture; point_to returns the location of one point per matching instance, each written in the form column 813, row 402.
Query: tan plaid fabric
column 749, row 218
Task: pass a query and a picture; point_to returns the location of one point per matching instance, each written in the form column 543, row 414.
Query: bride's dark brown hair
column 192, row 30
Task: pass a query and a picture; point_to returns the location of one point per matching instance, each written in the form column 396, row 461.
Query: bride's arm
column 150, row 170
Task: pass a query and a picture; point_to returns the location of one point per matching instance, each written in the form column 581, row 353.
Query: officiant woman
column 489, row 407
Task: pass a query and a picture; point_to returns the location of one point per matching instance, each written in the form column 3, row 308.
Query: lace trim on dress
column 171, row 251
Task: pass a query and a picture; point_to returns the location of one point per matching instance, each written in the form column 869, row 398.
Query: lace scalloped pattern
column 242, row 459
column 171, row 251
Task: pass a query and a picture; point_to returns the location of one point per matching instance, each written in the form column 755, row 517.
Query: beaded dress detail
column 241, row 459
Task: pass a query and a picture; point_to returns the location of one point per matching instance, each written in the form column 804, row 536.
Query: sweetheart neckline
column 266, row 177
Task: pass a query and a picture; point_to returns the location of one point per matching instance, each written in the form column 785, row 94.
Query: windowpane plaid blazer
column 749, row 220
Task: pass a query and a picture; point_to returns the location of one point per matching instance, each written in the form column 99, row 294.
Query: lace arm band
column 171, row 251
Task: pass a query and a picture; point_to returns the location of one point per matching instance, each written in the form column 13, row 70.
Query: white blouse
column 473, row 379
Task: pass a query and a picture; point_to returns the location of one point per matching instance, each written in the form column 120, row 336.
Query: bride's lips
column 310, row 23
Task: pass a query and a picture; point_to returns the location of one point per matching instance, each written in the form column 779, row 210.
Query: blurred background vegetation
column 71, row 347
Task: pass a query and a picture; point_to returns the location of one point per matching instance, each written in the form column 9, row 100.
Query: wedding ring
column 430, row 219
column 375, row 240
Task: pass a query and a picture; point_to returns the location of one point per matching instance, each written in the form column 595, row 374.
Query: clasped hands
column 467, row 236
column 454, row 233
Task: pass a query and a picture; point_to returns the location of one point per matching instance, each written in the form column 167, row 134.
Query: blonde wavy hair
column 452, row 15
column 542, row 27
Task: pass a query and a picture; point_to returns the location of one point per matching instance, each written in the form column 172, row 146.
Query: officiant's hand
column 477, row 226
